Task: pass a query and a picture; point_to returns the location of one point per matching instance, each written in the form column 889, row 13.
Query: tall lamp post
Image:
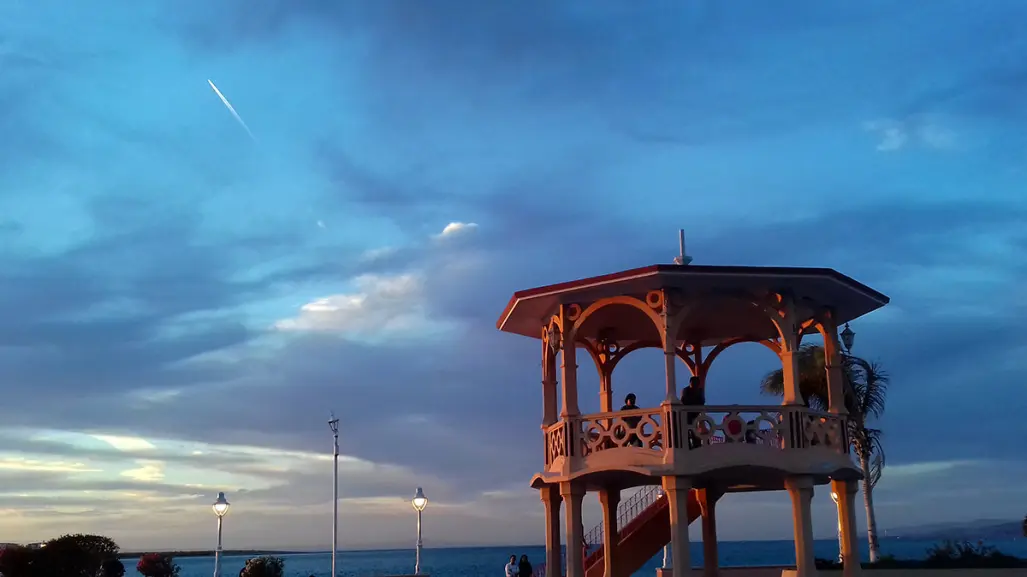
column 220, row 509
column 841, row 544
column 666, row 548
column 333, row 424
column 419, row 502
column 847, row 336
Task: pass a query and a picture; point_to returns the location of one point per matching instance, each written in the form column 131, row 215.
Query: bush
column 17, row 561
column 74, row 556
column 947, row 555
column 965, row 555
column 65, row 556
column 113, row 568
column 157, row 565
column 266, row 566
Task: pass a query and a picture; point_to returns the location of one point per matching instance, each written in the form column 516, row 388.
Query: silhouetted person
column 632, row 422
column 693, row 396
column 524, row 567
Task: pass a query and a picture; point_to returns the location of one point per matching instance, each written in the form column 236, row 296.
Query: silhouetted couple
column 521, row 569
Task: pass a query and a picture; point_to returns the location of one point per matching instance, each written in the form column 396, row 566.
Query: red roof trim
column 673, row 268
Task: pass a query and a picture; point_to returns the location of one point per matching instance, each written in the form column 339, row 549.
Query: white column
column 569, row 379
column 677, row 489
column 572, row 494
column 609, row 499
column 846, row 491
column 552, row 501
column 708, row 502
column 800, row 489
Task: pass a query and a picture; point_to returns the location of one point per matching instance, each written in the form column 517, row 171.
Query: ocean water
column 489, row 561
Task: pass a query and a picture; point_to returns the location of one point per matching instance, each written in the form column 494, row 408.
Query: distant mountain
column 981, row 529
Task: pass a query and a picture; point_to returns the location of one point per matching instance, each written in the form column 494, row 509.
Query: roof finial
column 682, row 258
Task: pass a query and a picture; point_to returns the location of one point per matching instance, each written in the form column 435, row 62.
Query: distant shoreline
column 259, row 552
column 210, row 553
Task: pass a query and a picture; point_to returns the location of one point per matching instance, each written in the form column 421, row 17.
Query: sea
column 489, row 561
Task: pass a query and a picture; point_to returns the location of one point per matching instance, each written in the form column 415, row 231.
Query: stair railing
column 626, row 512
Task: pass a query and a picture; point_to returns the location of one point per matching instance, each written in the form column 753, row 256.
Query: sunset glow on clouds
column 183, row 306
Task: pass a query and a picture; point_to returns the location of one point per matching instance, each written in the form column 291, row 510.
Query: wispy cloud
column 127, row 444
column 895, row 135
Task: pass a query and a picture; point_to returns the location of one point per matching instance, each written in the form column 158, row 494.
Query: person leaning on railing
column 631, row 422
column 693, row 396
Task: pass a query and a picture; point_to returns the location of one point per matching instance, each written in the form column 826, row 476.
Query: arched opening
column 608, row 331
column 735, row 374
column 641, row 372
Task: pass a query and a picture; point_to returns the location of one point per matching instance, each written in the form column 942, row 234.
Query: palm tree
column 866, row 386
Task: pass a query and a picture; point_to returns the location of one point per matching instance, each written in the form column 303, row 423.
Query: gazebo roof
column 528, row 310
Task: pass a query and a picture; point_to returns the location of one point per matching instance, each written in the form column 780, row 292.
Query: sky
column 185, row 300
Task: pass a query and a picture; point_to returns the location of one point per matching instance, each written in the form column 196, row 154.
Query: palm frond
column 869, row 386
column 812, row 378
column 876, row 469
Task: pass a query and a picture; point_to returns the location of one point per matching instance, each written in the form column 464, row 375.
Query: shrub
column 74, row 556
column 947, row 555
column 266, row 566
column 955, row 554
column 17, row 561
column 113, row 568
column 157, row 565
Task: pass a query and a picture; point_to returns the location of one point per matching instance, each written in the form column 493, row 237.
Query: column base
column 669, row 571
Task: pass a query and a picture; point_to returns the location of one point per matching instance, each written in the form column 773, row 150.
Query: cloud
column 456, row 229
column 381, row 306
column 172, row 310
column 127, row 444
column 897, row 134
column 146, row 472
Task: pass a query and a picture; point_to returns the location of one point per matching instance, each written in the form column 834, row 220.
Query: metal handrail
column 626, row 512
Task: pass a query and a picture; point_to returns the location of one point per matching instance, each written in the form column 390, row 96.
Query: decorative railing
column 823, row 429
column 556, row 441
column 694, row 427
column 733, row 424
column 640, row 428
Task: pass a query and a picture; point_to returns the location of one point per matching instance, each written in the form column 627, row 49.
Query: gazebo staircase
column 644, row 523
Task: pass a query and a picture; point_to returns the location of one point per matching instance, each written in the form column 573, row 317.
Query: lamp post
column 841, row 546
column 333, row 424
column 220, row 509
column 419, row 502
column 848, row 335
column 666, row 548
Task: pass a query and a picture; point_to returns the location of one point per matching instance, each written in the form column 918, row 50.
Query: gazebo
column 696, row 454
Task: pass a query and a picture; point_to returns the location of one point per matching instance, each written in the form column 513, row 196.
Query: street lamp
column 834, row 497
column 419, row 502
column 220, row 509
column 847, row 336
column 666, row 548
column 333, row 424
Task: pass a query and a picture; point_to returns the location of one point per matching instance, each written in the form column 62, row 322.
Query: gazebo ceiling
column 717, row 317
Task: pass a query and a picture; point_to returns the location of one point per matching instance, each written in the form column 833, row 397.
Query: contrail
column 231, row 109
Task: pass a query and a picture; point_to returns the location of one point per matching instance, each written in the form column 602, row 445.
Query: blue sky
column 183, row 304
